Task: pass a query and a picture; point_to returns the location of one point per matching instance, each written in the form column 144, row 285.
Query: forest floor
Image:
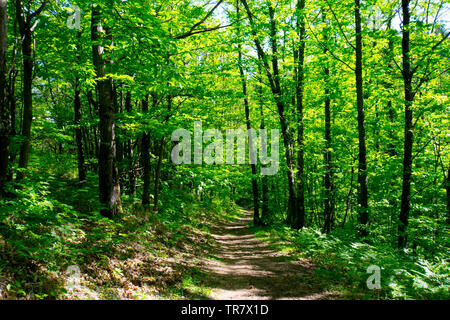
column 245, row 267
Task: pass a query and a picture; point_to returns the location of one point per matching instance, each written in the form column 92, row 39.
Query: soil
column 247, row 268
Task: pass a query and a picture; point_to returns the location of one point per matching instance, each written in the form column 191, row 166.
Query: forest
column 225, row 149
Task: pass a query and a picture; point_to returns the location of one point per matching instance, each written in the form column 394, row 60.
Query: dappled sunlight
column 248, row 268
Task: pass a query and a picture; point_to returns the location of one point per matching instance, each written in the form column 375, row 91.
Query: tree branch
column 339, row 25
column 331, row 52
column 192, row 29
column 37, row 12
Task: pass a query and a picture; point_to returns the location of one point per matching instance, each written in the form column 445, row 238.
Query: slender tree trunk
column 447, row 189
column 264, row 182
column 389, row 85
column 12, row 102
column 26, row 21
column 78, row 114
column 27, row 115
column 118, row 130
column 108, row 176
column 328, row 177
column 256, row 217
column 363, row 207
column 299, row 221
column 274, row 82
column 94, row 104
column 5, row 127
column 158, row 174
column 408, row 143
column 86, row 145
column 12, row 108
column 130, row 151
column 78, row 133
column 145, row 158
column 349, row 194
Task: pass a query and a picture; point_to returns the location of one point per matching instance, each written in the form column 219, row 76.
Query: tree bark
column 12, row 75
column 145, row 158
column 130, row 151
column 408, row 143
column 363, row 213
column 447, row 189
column 5, row 127
column 328, row 177
column 27, row 114
column 299, row 222
column 255, row 191
column 158, row 174
column 108, row 176
column 78, row 114
column 118, row 131
column 264, row 182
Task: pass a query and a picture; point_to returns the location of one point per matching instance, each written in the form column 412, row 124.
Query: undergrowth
column 48, row 230
column 342, row 260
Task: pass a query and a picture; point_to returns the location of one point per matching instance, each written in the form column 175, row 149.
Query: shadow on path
column 248, row 268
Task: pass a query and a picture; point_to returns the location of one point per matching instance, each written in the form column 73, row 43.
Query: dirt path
column 248, row 268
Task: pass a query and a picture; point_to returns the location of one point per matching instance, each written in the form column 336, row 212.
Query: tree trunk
column 349, row 194
column 158, row 174
column 300, row 219
column 328, row 177
column 447, row 189
column 130, row 151
column 78, row 129
column 78, row 133
column 390, row 108
column 256, row 217
column 363, row 212
column 12, row 102
column 118, row 131
column 145, row 158
column 92, row 103
column 264, row 182
column 108, row 176
column 408, row 143
column 5, row 127
column 27, row 115
column 26, row 25
column 274, row 81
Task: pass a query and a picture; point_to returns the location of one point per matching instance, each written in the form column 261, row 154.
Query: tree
column 4, row 110
column 299, row 89
column 408, row 142
column 362, row 155
column 409, row 74
column 273, row 77
column 328, row 176
column 264, row 180
column 108, row 176
column 145, row 157
column 27, row 20
column 256, row 217
column 77, row 120
column 447, row 190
